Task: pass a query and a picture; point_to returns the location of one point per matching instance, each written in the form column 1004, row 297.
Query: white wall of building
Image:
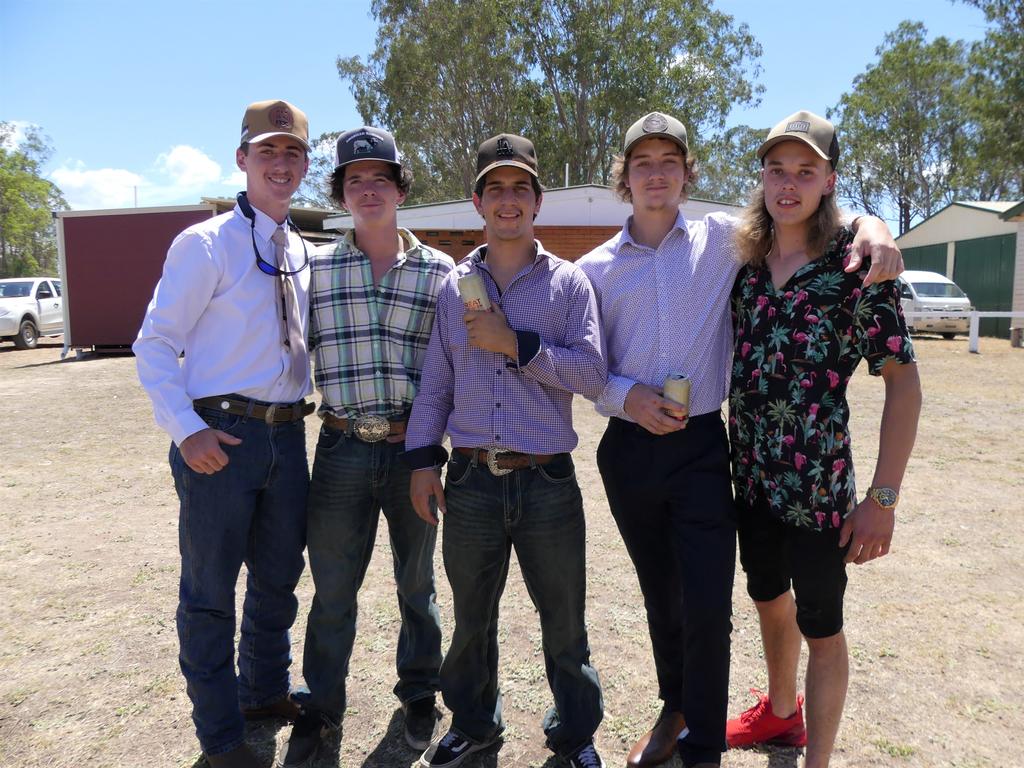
column 960, row 222
column 582, row 206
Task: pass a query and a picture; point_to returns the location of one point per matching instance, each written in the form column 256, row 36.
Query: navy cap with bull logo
column 366, row 143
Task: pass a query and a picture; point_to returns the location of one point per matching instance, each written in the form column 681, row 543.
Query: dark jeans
column 352, row 482
column 671, row 498
column 539, row 511
column 252, row 512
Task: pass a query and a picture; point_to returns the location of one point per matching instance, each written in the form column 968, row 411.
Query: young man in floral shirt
column 802, row 325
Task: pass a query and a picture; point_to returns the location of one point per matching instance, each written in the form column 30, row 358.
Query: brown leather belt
column 271, row 413
column 502, row 462
column 369, row 429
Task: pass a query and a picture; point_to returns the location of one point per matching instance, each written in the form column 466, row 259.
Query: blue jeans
column 539, row 511
column 352, row 482
column 252, row 512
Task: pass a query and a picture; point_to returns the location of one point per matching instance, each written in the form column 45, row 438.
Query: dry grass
column 88, row 571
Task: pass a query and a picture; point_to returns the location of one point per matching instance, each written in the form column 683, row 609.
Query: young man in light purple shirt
column 500, row 383
column 663, row 287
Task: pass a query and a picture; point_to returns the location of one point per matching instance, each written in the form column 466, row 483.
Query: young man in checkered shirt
column 372, row 299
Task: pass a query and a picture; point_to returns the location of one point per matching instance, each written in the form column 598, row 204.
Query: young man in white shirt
column 233, row 299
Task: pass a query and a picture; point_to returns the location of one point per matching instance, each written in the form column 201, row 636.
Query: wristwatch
column 886, row 498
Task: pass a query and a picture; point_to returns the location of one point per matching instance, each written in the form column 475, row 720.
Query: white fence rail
column 974, row 317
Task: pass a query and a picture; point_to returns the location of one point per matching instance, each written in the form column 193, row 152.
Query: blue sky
column 144, row 98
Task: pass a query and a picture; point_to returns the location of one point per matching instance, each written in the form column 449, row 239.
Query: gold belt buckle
column 493, row 454
column 371, row 428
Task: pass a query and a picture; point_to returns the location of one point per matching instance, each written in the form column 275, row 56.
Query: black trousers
column 671, row 497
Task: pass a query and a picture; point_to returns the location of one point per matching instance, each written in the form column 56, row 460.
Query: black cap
column 366, row 143
column 506, row 149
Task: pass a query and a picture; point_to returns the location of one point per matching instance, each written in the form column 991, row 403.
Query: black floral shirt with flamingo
column 796, row 348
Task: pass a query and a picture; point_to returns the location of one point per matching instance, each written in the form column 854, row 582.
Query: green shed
column 980, row 246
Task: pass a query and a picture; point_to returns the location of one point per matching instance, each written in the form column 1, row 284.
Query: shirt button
column 497, row 372
column 497, row 437
column 497, row 405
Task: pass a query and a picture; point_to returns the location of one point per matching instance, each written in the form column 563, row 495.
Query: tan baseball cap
column 814, row 131
column 264, row 119
column 656, row 125
column 506, row 149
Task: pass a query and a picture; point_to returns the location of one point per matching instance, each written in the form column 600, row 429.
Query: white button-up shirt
column 214, row 304
column 666, row 310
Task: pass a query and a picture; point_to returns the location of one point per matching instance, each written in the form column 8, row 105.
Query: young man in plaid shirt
column 372, row 298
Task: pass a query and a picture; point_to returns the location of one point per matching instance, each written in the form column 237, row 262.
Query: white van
column 931, row 292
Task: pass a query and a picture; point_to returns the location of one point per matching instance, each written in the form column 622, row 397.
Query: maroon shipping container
column 110, row 262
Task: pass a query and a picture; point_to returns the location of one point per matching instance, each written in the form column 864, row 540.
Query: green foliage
column 902, row 127
column 729, row 171
column 27, row 237
column 995, row 101
column 570, row 74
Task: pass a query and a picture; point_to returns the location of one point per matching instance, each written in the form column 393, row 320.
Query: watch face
column 886, row 497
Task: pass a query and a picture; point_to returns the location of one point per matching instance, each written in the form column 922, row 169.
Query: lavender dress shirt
column 484, row 399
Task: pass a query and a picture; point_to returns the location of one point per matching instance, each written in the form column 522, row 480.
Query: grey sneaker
column 450, row 750
column 422, row 719
column 310, row 730
column 585, row 757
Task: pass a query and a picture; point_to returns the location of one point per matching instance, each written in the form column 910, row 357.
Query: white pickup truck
column 30, row 307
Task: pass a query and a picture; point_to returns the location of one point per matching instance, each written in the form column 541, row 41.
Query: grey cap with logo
column 656, row 125
column 811, row 129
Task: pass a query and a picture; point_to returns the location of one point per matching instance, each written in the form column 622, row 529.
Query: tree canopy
column 569, row 74
column 27, row 240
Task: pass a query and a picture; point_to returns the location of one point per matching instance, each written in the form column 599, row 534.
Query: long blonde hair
column 756, row 233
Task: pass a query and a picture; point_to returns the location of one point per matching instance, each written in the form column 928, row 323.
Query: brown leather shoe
column 659, row 744
column 239, row 757
column 286, row 709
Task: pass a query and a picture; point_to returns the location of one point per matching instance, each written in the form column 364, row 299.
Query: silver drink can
column 473, row 292
column 677, row 388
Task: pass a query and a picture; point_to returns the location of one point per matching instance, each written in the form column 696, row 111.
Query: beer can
column 677, row 388
column 474, row 292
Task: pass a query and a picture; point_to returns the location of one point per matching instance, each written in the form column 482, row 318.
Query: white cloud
column 188, row 167
column 102, row 188
column 236, row 179
column 180, row 176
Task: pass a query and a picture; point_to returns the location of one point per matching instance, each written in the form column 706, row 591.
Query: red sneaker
column 759, row 725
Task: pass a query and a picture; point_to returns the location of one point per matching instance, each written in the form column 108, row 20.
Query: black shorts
column 776, row 555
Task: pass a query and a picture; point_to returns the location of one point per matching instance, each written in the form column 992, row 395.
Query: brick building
column 571, row 222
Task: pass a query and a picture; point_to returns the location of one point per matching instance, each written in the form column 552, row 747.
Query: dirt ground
column 88, row 573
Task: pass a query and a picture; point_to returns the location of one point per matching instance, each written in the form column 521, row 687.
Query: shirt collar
column 626, row 238
column 264, row 225
column 478, row 256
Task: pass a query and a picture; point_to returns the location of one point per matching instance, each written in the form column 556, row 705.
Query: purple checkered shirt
column 666, row 309
column 484, row 399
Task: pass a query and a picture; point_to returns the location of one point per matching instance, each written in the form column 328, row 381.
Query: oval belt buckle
column 371, row 428
column 493, row 454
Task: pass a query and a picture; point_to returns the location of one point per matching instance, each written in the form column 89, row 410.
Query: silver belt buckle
column 268, row 417
column 493, row 454
column 371, row 428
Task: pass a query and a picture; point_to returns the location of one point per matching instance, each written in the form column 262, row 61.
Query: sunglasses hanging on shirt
column 265, row 266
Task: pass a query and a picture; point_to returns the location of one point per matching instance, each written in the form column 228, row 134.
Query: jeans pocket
column 225, row 422
column 458, row 470
column 330, row 440
column 559, row 471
